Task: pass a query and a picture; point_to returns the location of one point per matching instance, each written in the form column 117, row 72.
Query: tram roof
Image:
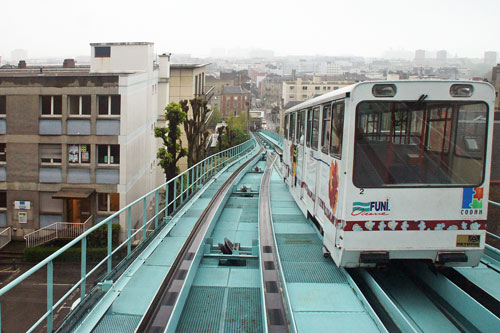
column 343, row 92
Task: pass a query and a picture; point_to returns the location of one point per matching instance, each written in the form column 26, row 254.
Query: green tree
column 172, row 150
column 215, row 118
column 235, row 132
column 195, row 129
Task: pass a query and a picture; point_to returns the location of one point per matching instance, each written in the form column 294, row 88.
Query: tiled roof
column 234, row 90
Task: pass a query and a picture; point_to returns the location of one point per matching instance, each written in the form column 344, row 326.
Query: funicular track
column 276, row 311
column 159, row 313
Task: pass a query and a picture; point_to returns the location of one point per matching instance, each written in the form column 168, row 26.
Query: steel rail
column 276, row 309
column 157, row 316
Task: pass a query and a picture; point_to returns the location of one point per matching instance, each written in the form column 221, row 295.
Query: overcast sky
column 307, row 27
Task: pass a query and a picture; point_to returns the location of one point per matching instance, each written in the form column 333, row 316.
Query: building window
column 3, row 153
column 102, row 51
column 304, row 88
column 51, row 105
column 108, row 202
column 317, row 88
column 335, row 88
column 108, row 154
column 79, row 105
column 109, row 105
column 3, row 200
column 304, row 96
column 50, row 154
column 78, row 154
column 291, row 96
column 3, row 105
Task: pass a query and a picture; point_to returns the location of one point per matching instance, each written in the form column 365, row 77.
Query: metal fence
column 5, row 237
column 58, row 230
column 184, row 186
column 275, row 136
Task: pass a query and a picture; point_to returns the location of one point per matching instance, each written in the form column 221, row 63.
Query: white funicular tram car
column 394, row 170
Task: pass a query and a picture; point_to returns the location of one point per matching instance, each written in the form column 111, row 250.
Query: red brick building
column 234, row 99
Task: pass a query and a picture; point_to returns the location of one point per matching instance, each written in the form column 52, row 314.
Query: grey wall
column 23, row 114
column 22, row 162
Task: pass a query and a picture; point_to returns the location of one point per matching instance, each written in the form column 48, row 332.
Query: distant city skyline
column 330, row 28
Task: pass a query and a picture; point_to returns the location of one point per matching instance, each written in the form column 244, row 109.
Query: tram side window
column 309, row 127
column 301, row 127
column 315, row 128
column 291, row 134
column 337, row 129
column 325, row 136
column 285, row 130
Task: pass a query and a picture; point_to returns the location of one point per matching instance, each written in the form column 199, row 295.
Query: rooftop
column 187, row 66
column 121, row 43
column 234, row 90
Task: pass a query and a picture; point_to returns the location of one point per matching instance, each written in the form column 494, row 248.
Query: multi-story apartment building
column 300, row 90
column 234, row 99
column 270, row 90
column 77, row 142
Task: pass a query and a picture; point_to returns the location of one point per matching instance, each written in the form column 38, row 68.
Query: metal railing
column 487, row 232
column 58, row 230
column 184, row 185
column 275, row 136
column 5, row 237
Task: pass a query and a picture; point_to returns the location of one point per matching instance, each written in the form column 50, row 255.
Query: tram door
column 301, row 123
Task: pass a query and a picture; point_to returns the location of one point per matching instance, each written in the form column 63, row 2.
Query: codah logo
column 370, row 208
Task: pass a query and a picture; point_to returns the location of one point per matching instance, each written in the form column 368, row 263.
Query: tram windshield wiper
column 418, row 104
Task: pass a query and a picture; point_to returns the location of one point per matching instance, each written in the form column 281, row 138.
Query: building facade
column 300, row 90
column 234, row 99
column 77, row 142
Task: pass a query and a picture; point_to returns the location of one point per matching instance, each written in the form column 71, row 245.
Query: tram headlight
column 384, row 90
column 461, row 90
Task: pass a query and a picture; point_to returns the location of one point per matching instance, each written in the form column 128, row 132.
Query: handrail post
column 182, row 188
column 157, row 203
column 166, row 200
column 50, row 295
column 144, row 218
column 197, row 174
column 187, row 183
column 175, row 194
column 84, row 268
column 129, row 230
column 110, row 245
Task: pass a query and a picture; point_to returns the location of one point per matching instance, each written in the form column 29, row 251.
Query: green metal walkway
column 228, row 298
column 321, row 297
column 122, row 308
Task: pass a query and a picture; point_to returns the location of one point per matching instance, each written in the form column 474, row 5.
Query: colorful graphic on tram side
column 472, row 201
column 370, row 208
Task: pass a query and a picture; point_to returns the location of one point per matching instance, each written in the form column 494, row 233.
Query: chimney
column 69, row 63
column 21, row 64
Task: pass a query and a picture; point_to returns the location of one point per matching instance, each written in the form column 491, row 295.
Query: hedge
column 97, row 243
column 37, row 254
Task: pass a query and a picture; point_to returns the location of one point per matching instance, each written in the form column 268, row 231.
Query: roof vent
column 69, row 63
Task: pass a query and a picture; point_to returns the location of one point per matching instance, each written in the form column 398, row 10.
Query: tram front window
column 420, row 144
